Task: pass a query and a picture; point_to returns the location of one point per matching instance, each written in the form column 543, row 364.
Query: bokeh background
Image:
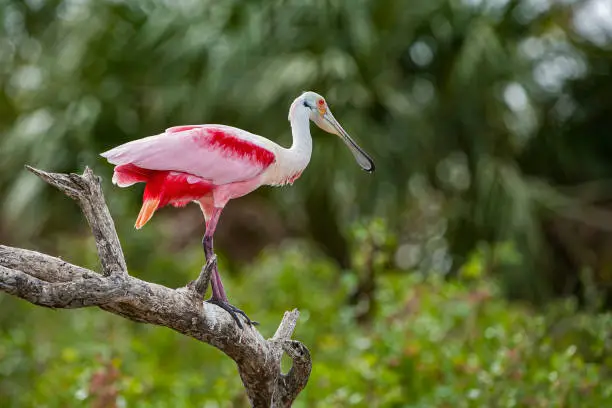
column 473, row 269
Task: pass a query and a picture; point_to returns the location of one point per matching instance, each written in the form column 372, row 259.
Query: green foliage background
column 472, row 269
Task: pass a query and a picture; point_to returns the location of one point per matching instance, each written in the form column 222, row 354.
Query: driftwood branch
column 49, row 281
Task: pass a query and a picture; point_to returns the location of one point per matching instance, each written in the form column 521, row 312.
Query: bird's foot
column 233, row 311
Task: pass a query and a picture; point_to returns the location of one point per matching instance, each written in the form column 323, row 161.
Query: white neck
column 300, row 130
column 292, row 161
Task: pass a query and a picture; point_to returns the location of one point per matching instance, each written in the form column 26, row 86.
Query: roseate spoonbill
column 212, row 164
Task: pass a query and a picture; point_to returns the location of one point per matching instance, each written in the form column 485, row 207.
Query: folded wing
column 220, row 154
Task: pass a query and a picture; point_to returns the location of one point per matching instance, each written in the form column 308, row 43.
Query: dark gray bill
column 362, row 158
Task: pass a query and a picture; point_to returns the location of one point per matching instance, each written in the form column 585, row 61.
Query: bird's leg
column 215, row 279
column 219, row 296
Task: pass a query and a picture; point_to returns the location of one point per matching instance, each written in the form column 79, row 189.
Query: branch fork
column 48, row 281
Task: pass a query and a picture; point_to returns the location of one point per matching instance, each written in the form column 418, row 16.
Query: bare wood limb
column 287, row 326
column 49, row 281
column 42, row 266
column 288, row 386
column 200, row 285
column 65, row 295
column 297, row 378
column 87, row 191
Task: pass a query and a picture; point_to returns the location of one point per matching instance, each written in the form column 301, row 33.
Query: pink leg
column 207, row 242
column 219, row 297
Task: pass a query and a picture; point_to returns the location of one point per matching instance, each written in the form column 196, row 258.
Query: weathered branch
column 298, row 375
column 49, row 281
column 291, row 384
column 86, row 190
column 66, row 295
column 200, row 285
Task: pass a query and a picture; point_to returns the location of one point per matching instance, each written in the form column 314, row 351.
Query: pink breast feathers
column 294, row 177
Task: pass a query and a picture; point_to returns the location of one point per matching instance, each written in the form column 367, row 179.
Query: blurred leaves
column 429, row 343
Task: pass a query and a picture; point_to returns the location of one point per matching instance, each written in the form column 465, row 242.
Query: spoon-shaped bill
column 362, row 158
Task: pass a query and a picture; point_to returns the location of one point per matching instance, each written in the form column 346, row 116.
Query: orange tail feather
column 146, row 212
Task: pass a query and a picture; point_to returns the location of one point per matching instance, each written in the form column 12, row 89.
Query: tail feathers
column 146, row 212
column 127, row 174
column 180, row 203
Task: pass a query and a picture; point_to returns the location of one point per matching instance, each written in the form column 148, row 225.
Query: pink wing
column 221, row 154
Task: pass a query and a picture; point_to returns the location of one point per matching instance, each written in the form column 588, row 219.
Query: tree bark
column 48, row 281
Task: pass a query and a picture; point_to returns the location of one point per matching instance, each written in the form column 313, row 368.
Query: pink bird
column 212, row 164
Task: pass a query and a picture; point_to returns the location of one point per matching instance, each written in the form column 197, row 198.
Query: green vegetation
column 429, row 343
column 472, row 269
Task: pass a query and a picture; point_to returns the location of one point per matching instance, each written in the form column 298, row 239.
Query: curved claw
column 233, row 311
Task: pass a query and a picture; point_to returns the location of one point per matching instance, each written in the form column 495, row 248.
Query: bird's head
column 321, row 115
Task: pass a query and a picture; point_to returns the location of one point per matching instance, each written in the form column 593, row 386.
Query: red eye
column 321, row 102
